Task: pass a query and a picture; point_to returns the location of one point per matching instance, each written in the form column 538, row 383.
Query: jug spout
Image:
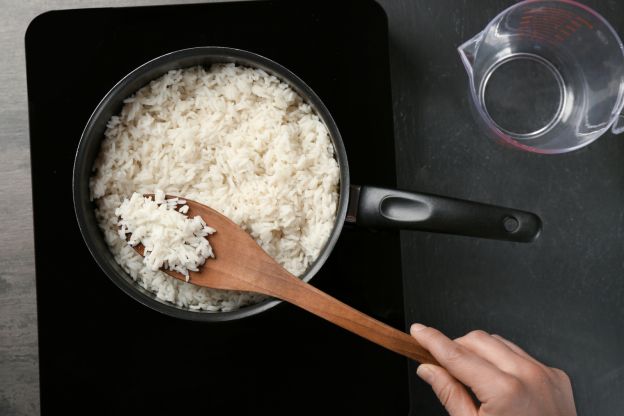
column 468, row 51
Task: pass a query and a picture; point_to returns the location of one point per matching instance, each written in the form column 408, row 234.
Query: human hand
column 504, row 378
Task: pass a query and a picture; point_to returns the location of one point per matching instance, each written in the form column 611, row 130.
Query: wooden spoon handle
column 321, row 304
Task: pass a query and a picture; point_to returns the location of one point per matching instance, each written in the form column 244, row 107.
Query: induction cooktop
column 101, row 352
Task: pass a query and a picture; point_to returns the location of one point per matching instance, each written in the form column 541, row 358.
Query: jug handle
column 618, row 125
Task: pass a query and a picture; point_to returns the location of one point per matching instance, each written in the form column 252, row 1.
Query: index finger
column 475, row 372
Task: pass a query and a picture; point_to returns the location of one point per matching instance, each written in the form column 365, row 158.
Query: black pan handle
column 388, row 208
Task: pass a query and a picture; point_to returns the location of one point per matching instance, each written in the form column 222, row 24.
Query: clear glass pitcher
column 547, row 76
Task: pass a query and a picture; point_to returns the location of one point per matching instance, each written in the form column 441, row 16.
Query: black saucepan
column 366, row 206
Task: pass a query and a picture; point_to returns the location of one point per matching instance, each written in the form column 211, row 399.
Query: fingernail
column 417, row 327
column 425, row 373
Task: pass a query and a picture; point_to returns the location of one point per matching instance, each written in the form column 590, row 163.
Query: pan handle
column 388, row 208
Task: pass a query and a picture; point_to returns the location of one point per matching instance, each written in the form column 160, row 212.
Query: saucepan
column 363, row 205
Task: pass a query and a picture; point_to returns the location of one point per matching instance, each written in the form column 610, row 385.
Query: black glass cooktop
column 103, row 353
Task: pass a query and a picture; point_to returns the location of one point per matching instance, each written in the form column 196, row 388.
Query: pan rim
column 81, row 170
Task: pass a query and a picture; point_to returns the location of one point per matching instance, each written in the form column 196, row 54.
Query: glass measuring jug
column 547, row 76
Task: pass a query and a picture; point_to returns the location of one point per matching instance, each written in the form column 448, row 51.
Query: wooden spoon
column 241, row 264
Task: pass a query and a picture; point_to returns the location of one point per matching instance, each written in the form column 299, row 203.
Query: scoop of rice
column 230, row 137
column 171, row 240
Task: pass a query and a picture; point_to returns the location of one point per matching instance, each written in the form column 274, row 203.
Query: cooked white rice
column 170, row 239
column 235, row 139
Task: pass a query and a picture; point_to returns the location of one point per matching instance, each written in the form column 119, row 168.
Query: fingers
column 450, row 392
column 515, row 348
column 505, row 379
column 466, row 366
column 560, row 375
column 493, row 350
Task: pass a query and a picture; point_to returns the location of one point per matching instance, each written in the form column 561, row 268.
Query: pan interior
column 111, row 105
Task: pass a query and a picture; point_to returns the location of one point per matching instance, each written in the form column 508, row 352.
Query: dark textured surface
column 562, row 297
column 96, row 344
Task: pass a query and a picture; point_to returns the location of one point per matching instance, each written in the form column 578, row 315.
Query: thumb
column 451, row 393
